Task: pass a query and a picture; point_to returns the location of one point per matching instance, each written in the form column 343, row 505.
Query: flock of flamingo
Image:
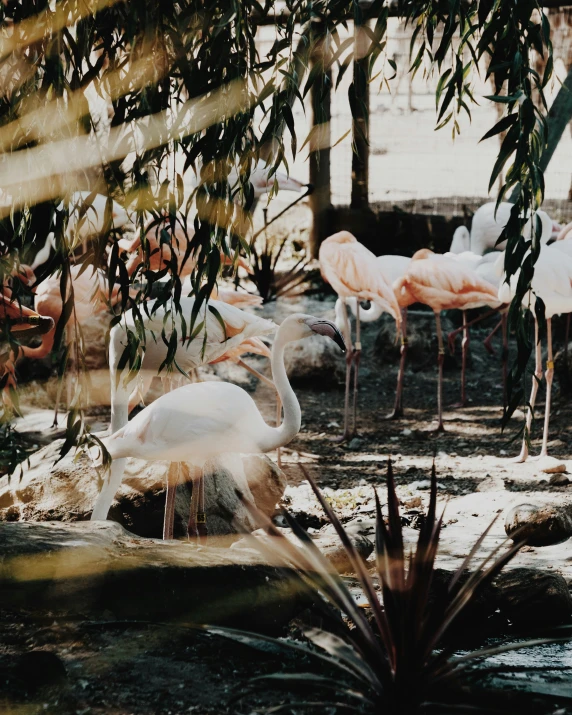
column 199, row 421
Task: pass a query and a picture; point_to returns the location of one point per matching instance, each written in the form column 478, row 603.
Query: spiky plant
column 398, row 662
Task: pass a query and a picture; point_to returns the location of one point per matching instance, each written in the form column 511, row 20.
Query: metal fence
column 413, row 166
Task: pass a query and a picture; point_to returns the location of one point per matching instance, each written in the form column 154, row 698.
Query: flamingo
column 262, row 180
column 552, row 283
column 85, row 220
column 21, row 320
column 564, row 244
column 201, row 421
column 162, row 254
column 442, row 284
column 352, row 271
column 210, row 343
column 392, row 268
column 484, row 267
column 487, row 225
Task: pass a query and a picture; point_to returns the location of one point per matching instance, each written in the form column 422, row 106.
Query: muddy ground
column 112, row 668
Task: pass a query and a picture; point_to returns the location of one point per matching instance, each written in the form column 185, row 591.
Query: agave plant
column 398, row 661
column 269, row 282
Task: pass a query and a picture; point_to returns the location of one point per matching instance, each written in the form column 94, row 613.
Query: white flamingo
column 201, row 421
column 210, row 343
column 487, row 226
column 552, row 283
column 392, row 269
column 351, row 270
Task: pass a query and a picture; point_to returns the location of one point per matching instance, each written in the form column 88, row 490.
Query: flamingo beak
column 329, row 329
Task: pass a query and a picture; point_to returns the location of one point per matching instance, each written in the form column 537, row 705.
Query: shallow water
column 543, row 669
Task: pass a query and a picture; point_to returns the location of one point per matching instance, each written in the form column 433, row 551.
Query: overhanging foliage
column 184, row 78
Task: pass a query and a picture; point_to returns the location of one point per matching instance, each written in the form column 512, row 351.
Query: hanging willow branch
column 189, row 104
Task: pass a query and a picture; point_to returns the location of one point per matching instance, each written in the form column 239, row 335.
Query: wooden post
column 320, row 141
column 359, row 99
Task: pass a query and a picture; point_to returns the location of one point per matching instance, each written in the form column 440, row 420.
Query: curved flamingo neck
column 366, row 315
column 279, row 436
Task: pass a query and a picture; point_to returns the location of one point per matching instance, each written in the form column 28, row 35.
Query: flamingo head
column 299, row 326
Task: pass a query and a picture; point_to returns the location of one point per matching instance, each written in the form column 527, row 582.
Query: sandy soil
column 477, row 479
column 112, row 668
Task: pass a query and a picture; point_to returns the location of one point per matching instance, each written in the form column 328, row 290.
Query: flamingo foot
column 489, row 348
column 345, row 437
column 396, row 414
column 522, row 457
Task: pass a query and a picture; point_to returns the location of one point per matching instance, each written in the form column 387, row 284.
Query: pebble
column 559, row 480
column 424, row 484
column 407, row 432
column 355, row 443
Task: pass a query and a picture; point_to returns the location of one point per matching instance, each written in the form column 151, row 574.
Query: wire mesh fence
column 412, row 165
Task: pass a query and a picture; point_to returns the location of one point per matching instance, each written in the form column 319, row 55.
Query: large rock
column 421, row 338
column 66, row 491
column 539, row 525
column 98, row 568
column 315, row 360
column 531, row 597
column 527, row 597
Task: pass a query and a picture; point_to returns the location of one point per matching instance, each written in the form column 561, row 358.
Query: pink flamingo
column 442, row 284
column 352, row 271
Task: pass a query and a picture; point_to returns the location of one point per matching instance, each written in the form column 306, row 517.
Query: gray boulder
column 66, row 490
column 539, row 525
column 531, row 597
column 315, row 360
column 99, row 569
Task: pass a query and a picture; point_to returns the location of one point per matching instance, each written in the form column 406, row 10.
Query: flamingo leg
column 504, row 321
column 440, row 360
column 192, row 528
column 278, row 423
column 58, row 399
column 465, row 354
column 523, row 456
column 170, row 494
column 566, row 338
column 487, row 342
column 549, row 374
column 398, row 406
column 453, row 334
column 201, row 515
column 356, row 358
column 349, row 360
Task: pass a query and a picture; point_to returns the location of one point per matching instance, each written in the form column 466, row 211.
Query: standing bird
column 162, row 254
column 20, row 321
column 211, row 342
column 551, row 283
column 487, row 225
column 484, row 267
column 392, row 269
column 351, row 269
column 201, row 421
column 86, row 220
column 442, row 284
